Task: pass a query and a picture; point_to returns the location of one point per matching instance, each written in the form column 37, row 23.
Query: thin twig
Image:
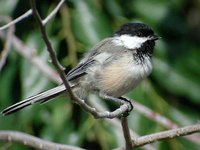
column 7, row 47
column 147, row 112
column 33, row 141
column 50, row 49
column 30, row 55
column 115, row 122
column 25, row 15
column 29, row 12
column 166, row 135
column 143, row 140
column 162, row 120
column 53, row 13
column 126, row 132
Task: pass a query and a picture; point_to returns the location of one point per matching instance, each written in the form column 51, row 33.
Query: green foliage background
column 172, row 89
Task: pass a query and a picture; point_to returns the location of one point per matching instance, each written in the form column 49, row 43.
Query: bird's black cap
column 135, row 29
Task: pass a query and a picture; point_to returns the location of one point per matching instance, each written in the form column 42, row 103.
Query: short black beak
column 155, row 37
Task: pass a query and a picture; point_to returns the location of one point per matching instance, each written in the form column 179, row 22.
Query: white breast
column 142, row 69
column 122, row 75
column 137, row 72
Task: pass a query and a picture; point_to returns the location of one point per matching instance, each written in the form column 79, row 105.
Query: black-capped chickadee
column 110, row 69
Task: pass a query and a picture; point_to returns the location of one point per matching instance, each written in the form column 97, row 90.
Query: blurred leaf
column 8, row 7
column 113, row 7
column 151, row 11
column 174, row 81
column 89, row 23
column 32, row 80
column 7, row 79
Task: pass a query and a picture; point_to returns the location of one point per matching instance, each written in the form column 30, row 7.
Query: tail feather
column 39, row 98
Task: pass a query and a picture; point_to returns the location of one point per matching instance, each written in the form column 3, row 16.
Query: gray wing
column 87, row 61
column 101, row 54
column 79, row 70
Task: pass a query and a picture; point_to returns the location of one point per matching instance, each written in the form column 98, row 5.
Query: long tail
column 39, row 98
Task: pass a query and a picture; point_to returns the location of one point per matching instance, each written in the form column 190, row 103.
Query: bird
column 113, row 67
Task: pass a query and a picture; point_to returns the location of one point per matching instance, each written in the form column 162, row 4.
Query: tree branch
column 126, row 132
column 50, row 49
column 116, row 122
column 162, row 120
column 166, row 135
column 31, row 55
column 53, row 13
column 147, row 112
column 33, row 141
column 7, row 47
column 25, row 15
column 29, row 12
column 140, row 141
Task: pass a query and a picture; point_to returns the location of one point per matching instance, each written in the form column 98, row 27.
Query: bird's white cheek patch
column 130, row 42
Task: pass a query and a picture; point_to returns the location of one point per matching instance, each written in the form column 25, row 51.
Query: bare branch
column 30, row 55
column 147, row 112
column 53, row 13
column 160, row 119
column 42, row 144
column 7, row 46
column 33, row 141
column 25, row 15
column 126, row 132
column 116, row 122
column 166, row 135
column 29, row 12
column 51, row 51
